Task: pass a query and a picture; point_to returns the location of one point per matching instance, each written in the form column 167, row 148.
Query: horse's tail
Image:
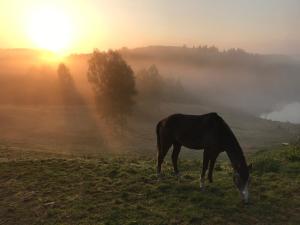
column 158, row 136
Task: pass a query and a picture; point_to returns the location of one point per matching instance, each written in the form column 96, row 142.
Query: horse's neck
column 236, row 156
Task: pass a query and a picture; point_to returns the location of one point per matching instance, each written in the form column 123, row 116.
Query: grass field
column 78, row 129
column 63, row 165
column 42, row 188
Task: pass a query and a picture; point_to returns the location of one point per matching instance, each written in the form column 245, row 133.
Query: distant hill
column 250, row 82
column 206, row 56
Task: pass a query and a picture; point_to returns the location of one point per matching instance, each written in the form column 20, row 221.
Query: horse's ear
column 250, row 167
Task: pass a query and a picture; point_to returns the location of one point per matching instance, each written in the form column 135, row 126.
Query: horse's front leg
column 176, row 151
column 211, row 167
column 204, row 168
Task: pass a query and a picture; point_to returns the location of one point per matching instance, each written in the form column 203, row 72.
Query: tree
column 174, row 91
column 64, row 74
column 150, row 84
column 67, row 86
column 113, row 82
column 154, row 88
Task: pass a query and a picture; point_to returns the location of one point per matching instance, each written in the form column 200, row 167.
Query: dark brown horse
column 209, row 132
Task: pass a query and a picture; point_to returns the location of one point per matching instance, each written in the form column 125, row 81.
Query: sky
column 269, row 26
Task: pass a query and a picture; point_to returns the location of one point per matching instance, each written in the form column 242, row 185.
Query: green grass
column 125, row 190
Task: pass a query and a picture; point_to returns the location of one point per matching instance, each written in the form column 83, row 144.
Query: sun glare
column 50, row 28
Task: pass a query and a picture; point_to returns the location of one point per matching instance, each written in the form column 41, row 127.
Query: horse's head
column 241, row 179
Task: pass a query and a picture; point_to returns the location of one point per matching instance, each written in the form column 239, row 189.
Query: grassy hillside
column 40, row 188
column 79, row 130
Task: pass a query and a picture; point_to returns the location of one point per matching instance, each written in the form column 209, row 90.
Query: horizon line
column 146, row 46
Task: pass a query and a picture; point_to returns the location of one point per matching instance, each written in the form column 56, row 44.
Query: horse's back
column 192, row 131
column 179, row 121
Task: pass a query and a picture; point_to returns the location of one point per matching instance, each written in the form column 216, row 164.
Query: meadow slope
column 80, row 130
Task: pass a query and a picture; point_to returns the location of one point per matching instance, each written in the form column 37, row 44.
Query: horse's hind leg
column 163, row 150
column 204, row 168
column 176, row 151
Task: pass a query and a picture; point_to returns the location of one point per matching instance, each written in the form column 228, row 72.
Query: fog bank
column 288, row 113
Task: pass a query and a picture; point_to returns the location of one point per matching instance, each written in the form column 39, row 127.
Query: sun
column 50, row 28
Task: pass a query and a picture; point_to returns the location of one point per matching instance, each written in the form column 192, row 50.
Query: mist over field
column 250, row 82
column 40, row 108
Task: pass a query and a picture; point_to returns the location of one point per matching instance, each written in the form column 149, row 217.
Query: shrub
column 292, row 154
column 266, row 165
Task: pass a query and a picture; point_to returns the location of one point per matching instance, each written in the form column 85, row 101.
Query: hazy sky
column 266, row 26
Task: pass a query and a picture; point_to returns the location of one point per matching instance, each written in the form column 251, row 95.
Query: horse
column 209, row 132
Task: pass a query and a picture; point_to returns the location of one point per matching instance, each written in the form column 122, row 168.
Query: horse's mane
column 232, row 145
